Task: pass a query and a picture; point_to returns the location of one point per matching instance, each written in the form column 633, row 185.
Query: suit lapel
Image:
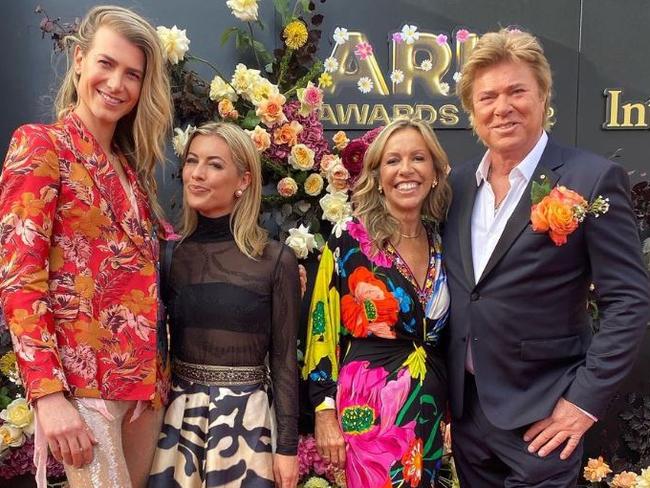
column 468, row 191
column 551, row 160
column 90, row 154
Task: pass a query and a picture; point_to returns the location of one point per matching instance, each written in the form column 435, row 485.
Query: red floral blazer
column 78, row 269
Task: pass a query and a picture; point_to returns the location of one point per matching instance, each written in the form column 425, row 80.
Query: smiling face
column 211, row 177
column 406, row 172
column 110, row 79
column 508, row 109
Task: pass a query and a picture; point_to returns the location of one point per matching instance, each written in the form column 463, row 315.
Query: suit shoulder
column 460, row 171
column 582, row 160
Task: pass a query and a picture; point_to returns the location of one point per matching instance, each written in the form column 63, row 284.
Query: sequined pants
column 122, row 458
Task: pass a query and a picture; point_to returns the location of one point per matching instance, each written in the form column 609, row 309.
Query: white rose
column 244, row 78
column 245, row 10
column 219, row 90
column 179, row 141
column 10, row 436
column 174, row 42
column 335, row 206
column 301, row 241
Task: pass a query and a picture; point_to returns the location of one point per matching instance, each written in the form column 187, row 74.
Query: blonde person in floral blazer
column 78, row 255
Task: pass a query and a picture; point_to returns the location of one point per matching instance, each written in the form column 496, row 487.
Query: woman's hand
column 70, row 439
column 329, row 438
column 285, row 470
column 303, row 280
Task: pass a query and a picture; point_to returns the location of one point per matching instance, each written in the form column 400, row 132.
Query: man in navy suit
column 527, row 376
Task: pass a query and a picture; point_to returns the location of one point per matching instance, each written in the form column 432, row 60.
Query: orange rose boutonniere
column 559, row 211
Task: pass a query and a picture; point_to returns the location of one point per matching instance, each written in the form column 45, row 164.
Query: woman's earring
column 435, row 183
column 380, row 189
column 238, row 193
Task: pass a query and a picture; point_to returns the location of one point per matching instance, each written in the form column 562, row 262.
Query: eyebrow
column 114, row 61
column 190, row 153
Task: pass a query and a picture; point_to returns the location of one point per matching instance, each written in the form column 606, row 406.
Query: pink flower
column 441, row 39
column 311, row 98
column 368, row 407
column 363, row 50
column 462, row 35
column 371, row 135
column 397, row 37
column 352, row 157
column 359, row 233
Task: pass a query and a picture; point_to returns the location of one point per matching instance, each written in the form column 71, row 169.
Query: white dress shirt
column 488, row 224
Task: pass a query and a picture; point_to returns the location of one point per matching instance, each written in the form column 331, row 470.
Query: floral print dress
column 372, row 347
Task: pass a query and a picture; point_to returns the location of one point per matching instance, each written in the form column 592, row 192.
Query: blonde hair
column 370, row 205
column 141, row 134
column 249, row 236
column 507, row 45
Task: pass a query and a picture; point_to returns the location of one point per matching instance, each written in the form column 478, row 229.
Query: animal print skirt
column 215, row 436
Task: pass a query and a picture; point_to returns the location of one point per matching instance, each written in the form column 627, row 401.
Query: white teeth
column 109, row 99
column 406, row 186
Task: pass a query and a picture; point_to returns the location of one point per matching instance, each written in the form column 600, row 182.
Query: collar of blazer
column 89, row 153
column 550, row 161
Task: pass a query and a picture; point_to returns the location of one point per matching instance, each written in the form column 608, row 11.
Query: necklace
column 497, row 205
column 418, row 234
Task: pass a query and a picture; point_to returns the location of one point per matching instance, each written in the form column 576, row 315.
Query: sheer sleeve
column 283, row 355
column 321, row 355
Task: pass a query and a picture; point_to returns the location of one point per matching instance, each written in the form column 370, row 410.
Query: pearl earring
column 238, row 193
column 380, row 189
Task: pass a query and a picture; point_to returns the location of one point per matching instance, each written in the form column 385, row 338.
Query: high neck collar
column 212, row 229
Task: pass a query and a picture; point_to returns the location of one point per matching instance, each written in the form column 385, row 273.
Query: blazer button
column 474, row 296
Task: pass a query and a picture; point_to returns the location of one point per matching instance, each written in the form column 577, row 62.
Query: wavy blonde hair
column 250, row 237
column 503, row 46
column 141, row 134
column 370, row 205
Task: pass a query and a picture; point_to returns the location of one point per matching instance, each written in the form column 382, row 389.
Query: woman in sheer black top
column 233, row 301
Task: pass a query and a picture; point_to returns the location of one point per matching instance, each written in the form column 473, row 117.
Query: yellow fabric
column 417, row 363
column 324, row 345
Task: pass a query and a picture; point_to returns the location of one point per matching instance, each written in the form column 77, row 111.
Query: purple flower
column 397, row 37
column 371, row 135
column 20, row 460
column 441, row 39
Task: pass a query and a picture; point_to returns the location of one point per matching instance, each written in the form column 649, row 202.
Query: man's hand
column 329, row 438
column 566, row 423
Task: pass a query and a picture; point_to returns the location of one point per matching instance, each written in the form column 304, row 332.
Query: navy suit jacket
column 526, row 316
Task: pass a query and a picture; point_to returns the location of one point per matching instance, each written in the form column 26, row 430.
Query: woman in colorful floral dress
column 376, row 374
column 79, row 253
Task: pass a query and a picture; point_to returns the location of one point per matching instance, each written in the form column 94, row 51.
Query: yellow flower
column 19, row 415
column 8, row 363
column 174, row 42
column 340, row 140
column 596, row 470
column 10, row 436
column 325, row 80
column 625, row 479
column 643, row 480
column 295, row 34
column 417, row 363
column 301, row 157
column 314, row 184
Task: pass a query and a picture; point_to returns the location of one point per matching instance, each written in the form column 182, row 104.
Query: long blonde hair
column 249, row 236
column 506, row 45
column 370, row 205
column 141, row 134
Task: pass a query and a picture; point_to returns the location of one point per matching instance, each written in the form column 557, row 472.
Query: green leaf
column 225, row 36
column 305, row 5
column 320, row 241
column 265, row 56
column 250, row 121
column 282, row 7
column 539, row 191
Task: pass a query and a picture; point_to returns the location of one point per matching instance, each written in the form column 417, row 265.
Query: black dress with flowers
column 372, row 345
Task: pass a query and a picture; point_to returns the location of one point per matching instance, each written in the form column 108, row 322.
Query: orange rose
column 567, row 196
column 270, row 110
column 538, row 216
column 287, row 133
column 369, row 307
column 340, row 140
column 561, row 221
column 227, row 109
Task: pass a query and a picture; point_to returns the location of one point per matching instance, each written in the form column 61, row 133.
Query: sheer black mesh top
column 229, row 310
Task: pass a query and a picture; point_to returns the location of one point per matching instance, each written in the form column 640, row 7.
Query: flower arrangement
column 559, row 211
column 599, row 475
column 16, row 418
column 313, row 472
column 641, row 205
